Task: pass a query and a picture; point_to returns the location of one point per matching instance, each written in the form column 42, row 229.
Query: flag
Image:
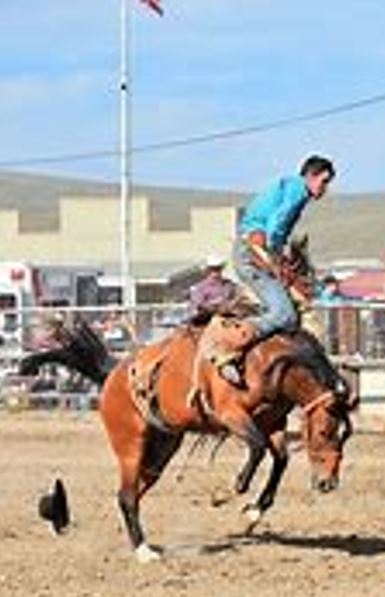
column 154, row 5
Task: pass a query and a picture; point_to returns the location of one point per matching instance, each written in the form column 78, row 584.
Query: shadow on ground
column 353, row 544
column 350, row 544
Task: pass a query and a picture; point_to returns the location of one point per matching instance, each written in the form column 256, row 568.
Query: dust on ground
column 307, row 545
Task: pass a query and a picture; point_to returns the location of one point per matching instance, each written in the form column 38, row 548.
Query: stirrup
column 230, row 373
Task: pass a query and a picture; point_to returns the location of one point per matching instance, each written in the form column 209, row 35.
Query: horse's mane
column 299, row 255
column 309, row 354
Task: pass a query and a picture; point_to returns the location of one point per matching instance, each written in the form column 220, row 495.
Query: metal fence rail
column 354, row 336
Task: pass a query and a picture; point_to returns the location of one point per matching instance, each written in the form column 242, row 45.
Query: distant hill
column 36, row 197
column 347, row 226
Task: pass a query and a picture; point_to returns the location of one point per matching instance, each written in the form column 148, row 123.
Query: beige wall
column 85, row 235
column 211, row 231
column 89, row 234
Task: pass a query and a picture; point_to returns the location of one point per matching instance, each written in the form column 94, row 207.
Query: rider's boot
column 221, row 343
column 227, row 367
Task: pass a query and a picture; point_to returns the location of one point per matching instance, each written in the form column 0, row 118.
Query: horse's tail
column 81, row 350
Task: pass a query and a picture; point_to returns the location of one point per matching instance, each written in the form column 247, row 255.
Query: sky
column 206, row 66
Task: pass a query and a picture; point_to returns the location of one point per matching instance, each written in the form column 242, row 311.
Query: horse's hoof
column 253, row 515
column 146, row 554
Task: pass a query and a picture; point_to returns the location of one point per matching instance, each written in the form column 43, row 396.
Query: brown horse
column 145, row 413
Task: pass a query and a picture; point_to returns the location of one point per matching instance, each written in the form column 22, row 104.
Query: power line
column 261, row 128
column 71, row 157
column 217, row 136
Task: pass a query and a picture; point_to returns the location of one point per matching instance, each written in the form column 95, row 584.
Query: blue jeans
column 278, row 309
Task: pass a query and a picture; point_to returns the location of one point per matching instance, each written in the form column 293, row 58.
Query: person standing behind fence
column 332, row 302
column 266, row 225
column 48, row 332
column 213, row 294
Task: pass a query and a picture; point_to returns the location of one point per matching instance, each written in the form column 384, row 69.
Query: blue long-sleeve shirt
column 276, row 211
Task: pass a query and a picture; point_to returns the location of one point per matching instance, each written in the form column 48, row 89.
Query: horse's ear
column 296, row 244
column 303, row 241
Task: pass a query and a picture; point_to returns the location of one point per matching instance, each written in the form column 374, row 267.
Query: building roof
column 365, row 284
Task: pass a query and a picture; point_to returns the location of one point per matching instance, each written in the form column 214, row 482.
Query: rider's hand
column 262, row 255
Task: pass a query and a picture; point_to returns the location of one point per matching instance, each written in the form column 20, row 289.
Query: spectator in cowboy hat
column 214, row 293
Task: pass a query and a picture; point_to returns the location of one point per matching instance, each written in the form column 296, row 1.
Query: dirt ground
column 307, row 545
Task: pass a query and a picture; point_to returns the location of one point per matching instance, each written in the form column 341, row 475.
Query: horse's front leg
column 277, row 446
column 241, row 424
column 256, row 444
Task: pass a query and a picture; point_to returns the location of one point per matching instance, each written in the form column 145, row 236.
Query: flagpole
column 128, row 296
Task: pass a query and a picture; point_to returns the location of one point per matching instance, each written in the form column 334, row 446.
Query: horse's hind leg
column 129, row 507
column 129, row 435
column 128, row 438
column 139, row 473
column 160, row 446
column 130, row 458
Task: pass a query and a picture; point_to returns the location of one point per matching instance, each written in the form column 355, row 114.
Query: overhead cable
column 213, row 137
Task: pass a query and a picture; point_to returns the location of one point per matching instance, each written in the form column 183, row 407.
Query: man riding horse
column 266, row 225
column 261, row 263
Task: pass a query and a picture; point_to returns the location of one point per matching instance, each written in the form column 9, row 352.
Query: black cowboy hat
column 54, row 507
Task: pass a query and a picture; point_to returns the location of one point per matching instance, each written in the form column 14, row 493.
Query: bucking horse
column 146, row 413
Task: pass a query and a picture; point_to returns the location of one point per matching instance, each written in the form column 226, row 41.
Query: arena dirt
column 309, row 545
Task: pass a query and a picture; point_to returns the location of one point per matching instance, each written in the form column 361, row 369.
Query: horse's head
column 307, row 379
column 327, row 426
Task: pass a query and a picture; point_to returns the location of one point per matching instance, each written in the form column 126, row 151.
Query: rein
column 320, row 400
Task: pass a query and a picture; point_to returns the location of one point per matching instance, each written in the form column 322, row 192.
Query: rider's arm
column 293, row 197
column 257, row 242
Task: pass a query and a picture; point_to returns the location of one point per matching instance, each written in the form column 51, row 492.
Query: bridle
column 323, row 399
column 327, row 398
